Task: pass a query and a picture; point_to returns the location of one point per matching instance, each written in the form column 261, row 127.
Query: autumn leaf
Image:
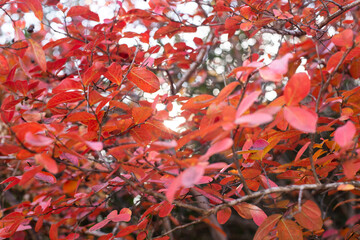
column 345, row 134
column 47, row 162
column 36, row 7
column 217, row 147
column 83, row 11
column 302, row 119
column 37, row 140
column 246, row 103
column 310, row 216
column 66, row 97
column 114, row 73
column 38, row 54
column 144, row 79
column 267, row 225
column 4, row 65
column 92, row 75
column 192, row 176
column 289, row 230
column 343, row 39
column 297, row 88
column 223, row 215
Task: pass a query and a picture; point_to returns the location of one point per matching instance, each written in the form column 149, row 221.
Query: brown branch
column 285, row 189
column 261, row 194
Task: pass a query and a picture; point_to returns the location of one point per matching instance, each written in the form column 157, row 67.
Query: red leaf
column 351, row 167
column 345, row 134
column 13, row 181
column 29, row 175
column 35, row 6
column 4, row 65
column 92, row 75
column 223, row 215
column 289, row 230
column 83, row 11
column 297, row 88
column 198, row 102
column 48, row 162
column 248, row 211
column 124, row 215
column 334, row 61
column 246, row 26
column 192, row 176
column 225, row 92
column 141, row 114
column 165, row 209
column 126, row 231
column 114, row 73
column 355, row 68
column 301, row 119
column 65, row 97
column 38, row 54
column 301, row 151
column 343, row 39
column 310, row 216
column 267, row 225
column 144, row 79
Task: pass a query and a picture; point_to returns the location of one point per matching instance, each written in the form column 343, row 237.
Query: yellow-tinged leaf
column 346, row 187
column 38, row 54
column 267, row 225
column 289, row 230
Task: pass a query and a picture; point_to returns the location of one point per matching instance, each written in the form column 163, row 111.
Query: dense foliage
column 266, row 94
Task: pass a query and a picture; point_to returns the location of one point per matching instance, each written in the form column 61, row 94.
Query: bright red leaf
column 144, row 79
column 297, row 88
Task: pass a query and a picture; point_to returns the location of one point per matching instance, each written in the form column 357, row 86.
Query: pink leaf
column 219, row 146
column 254, row 119
column 280, row 66
column 301, row 119
column 124, row 215
column 96, row 146
column 258, row 216
column 344, row 134
column 246, row 103
column 172, row 189
column 192, row 176
column 259, row 144
column 99, row 225
column 37, row 140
